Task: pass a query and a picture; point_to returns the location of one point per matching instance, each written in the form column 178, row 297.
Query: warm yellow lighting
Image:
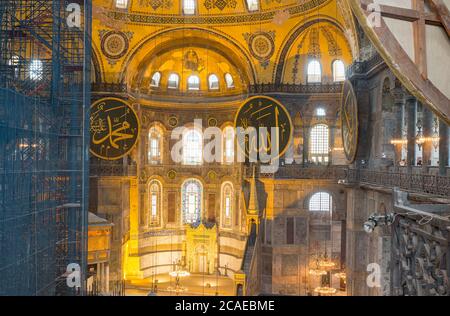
column 177, row 289
column 325, row 290
column 341, row 275
column 399, row 141
column 179, row 273
column 326, row 264
column 338, row 148
column 317, row 272
column 422, row 140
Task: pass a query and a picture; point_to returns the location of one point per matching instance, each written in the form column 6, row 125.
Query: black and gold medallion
column 114, row 128
column 349, row 120
column 264, row 112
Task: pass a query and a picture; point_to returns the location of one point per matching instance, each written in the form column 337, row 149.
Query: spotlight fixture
column 378, row 220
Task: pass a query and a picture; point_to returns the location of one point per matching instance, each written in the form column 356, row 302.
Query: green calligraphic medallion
column 263, row 112
column 349, row 120
column 114, row 129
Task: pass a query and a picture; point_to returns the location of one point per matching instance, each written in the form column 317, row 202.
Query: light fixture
column 340, row 275
column 179, row 273
column 317, row 272
column 378, row 220
column 325, row 290
column 326, row 264
column 399, row 141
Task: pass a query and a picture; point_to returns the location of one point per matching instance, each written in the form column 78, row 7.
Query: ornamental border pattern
column 219, row 19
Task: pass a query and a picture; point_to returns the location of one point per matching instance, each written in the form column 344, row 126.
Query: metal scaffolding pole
column 44, row 104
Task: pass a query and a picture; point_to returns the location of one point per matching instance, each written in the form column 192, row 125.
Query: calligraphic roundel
column 114, row 128
column 264, row 113
column 349, row 120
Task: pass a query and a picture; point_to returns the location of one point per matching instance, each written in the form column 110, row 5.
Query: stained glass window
column 154, row 203
column 192, row 147
column 191, row 201
column 227, row 203
column 155, row 140
column 320, row 144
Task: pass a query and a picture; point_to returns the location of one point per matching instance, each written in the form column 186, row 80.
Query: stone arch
column 290, row 39
column 195, row 35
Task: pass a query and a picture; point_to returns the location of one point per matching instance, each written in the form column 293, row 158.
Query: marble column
column 427, row 147
column 443, row 148
column 410, row 109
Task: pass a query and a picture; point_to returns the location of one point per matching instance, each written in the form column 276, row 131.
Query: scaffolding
column 44, row 103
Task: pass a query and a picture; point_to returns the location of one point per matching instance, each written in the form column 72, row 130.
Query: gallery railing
column 296, row 171
column 250, row 263
column 364, row 67
column 420, row 253
column 296, row 88
column 424, row 183
column 108, row 169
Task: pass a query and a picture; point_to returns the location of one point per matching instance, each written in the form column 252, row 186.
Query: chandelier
column 326, row 263
column 177, row 289
column 317, row 272
column 341, row 275
column 179, row 273
column 325, row 290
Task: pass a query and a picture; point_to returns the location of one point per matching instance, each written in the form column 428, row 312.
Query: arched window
column 213, row 82
column 228, row 145
column 320, row 144
column 227, row 204
column 156, row 79
column 321, row 112
column 193, row 83
column 36, row 69
column 314, row 72
column 191, row 201
column 320, row 202
column 189, row 7
column 155, row 145
column 173, row 82
column 154, row 209
column 121, row 4
column 229, row 80
column 253, row 5
column 14, row 62
column 192, row 147
column 338, row 71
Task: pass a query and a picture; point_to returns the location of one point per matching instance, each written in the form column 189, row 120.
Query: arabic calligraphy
column 272, row 123
column 114, row 129
column 349, row 119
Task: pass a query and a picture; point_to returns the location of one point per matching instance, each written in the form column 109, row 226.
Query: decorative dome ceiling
column 207, row 11
column 212, row 74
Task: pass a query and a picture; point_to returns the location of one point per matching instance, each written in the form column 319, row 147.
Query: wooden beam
column 443, row 13
column 420, row 41
column 404, row 14
column 400, row 63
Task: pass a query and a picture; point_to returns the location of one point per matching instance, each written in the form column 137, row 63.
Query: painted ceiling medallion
column 173, row 121
column 349, row 119
column 172, row 174
column 261, row 45
column 115, row 44
column 212, row 122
